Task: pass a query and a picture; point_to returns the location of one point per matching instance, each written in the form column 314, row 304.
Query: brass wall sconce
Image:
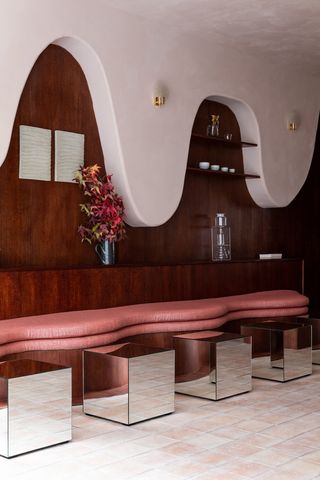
column 158, row 100
column 293, row 121
column 159, row 94
column 292, row 126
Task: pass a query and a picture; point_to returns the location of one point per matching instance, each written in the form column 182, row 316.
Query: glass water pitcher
column 221, row 238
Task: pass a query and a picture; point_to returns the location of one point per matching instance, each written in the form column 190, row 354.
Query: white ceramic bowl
column 224, row 169
column 215, row 167
column 204, row 165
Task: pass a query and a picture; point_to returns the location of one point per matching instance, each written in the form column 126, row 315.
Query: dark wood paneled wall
column 186, row 236
column 35, row 292
column 307, row 209
column 39, row 220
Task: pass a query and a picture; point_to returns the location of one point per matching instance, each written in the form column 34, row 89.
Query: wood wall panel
column 39, row 291
column 307, row 222
column 39, row 220
column 254, row 230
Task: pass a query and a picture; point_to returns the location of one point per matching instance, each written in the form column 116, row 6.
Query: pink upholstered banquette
column 89, row 328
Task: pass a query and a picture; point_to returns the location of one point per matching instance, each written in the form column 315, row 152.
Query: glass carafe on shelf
column 221, row 239
column 213, row 127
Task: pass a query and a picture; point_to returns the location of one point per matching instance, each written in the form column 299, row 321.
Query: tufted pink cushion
column 269, row 299
column 87, row 328
column 93, row 322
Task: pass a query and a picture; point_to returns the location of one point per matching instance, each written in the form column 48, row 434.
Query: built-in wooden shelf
column 83, row 268
column 219, row 173
column 222, row 142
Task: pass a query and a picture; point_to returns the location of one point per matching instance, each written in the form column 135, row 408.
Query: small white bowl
column 204, row 165
column 215, row 167
column 224, row 169
column 232, row 170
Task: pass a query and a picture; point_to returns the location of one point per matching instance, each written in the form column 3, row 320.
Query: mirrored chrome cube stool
column 212, row 365
column 289, row 354
column 35, row 406
column 314, row 321
column 128, row 383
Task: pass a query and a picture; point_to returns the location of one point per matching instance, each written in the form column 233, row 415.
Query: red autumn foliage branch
column 104, row 208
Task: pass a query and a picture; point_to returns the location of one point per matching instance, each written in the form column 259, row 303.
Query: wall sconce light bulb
column 293, row 121
column 158, row 100
column 292, row 126
column 159, row 93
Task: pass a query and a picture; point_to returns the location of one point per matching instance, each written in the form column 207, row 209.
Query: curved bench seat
column 89, row 328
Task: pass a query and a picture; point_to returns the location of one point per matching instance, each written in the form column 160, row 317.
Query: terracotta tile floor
column 271, row 433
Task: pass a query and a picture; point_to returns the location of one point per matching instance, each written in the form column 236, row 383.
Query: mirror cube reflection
column 128, row 383
column 290, row 349
column 212, row 365
column 35, row 406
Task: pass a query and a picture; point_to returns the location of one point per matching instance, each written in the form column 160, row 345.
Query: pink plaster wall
column 146, row 148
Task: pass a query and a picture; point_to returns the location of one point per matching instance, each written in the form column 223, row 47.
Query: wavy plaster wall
column 146, row 148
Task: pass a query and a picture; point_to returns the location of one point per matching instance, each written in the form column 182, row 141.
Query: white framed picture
column 69, row 155
column 34, row 153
